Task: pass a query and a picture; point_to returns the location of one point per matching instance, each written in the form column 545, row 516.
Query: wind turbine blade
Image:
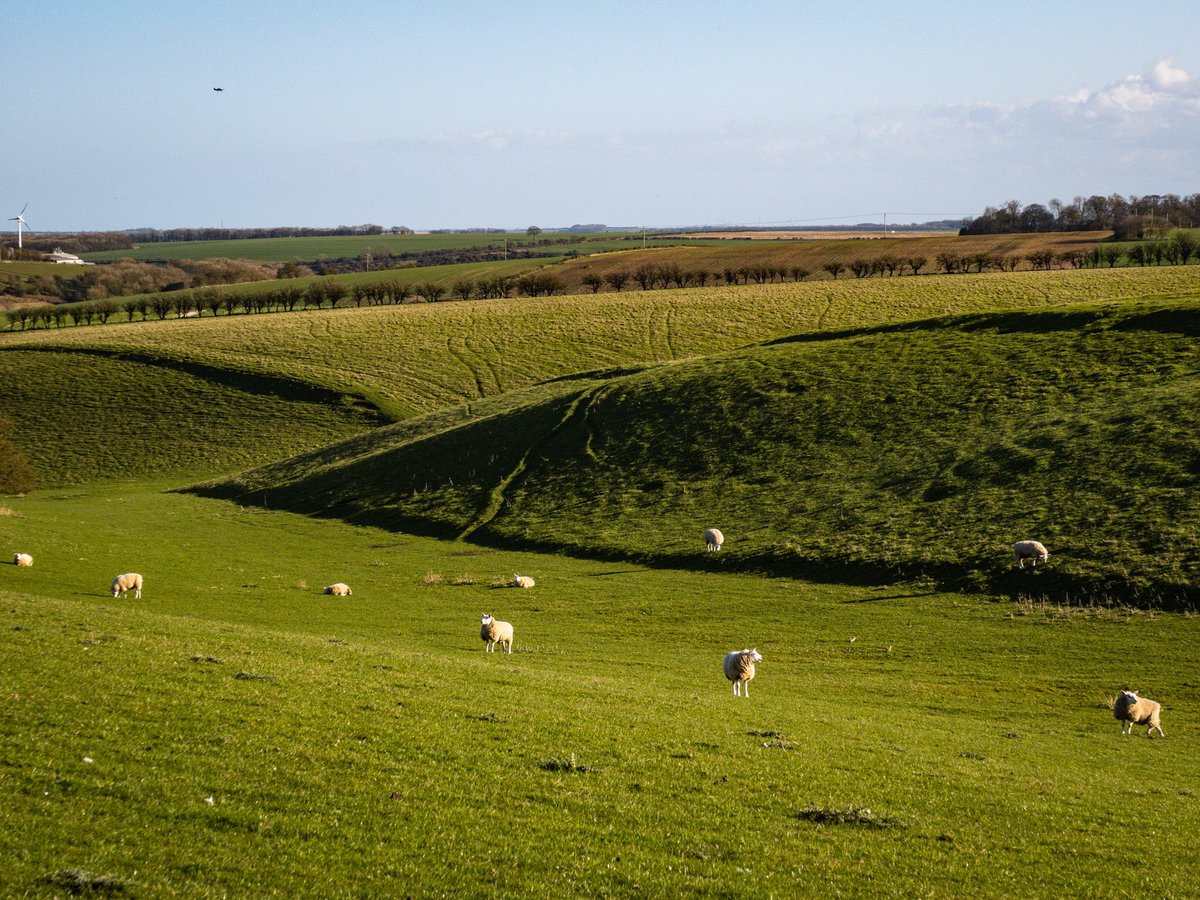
column 23, row 208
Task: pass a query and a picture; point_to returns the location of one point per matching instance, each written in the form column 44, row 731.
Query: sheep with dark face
column 739, row 668
column 22, row 559
column 1034, row 551
column 493, row 631
column 1130, row 709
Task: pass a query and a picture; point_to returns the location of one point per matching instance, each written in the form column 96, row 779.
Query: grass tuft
column 430, row 578
column 563, row 764
column 82, row 883
column 851, row 815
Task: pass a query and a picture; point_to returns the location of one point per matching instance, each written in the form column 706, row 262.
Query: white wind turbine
column 19, row 218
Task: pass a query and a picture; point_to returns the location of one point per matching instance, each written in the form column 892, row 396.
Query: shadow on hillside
column 246, row 382
column 1040, row 321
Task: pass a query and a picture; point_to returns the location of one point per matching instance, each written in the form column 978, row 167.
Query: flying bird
column 218, row 89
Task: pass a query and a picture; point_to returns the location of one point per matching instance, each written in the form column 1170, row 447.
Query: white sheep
column 1031, row 550
column 123, row 584
column 739, row 668
column 1130, row 709
column 713, row 539
column 339, row 590
column 22, row 559
column 494, row 632
column 522, row 581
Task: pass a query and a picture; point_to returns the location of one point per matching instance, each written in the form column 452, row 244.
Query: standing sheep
column 123, row 584
column 22, row 559
column 1031, row 550
column 522, row 581
column 739, row 668
column 494, row 632
column 339, row 590
column 1130, row 709
column 713, row 539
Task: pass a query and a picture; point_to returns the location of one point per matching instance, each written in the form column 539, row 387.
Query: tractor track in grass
column 497, row 499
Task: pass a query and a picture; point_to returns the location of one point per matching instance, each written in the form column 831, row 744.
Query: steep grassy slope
column 415, row 359
column 924, row 448
column 83, row 416
column 293, row 744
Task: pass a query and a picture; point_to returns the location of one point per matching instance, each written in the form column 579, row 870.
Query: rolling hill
column 920, row 449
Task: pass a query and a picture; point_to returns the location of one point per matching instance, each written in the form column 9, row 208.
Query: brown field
column 806, row 235
column 813, row 254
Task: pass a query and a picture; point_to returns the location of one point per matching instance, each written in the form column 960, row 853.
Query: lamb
column 523, row 581
column 22, row 559
column 494, row 632
column 1031, row 550
column 339, row 590
column 739, row 668
column 123, row 584
column 713, row 539
column 1130, row 709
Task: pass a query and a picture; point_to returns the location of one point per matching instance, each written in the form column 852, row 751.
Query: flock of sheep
column 738, row 665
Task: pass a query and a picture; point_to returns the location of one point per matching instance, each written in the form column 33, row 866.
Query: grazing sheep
column 523, row 581
column 22, row 559
column 496, row 632
column 1130, row 709
column 339, row 590
column 1031, row 550
column 130, row 581
column 713, row 539
column 739, row 668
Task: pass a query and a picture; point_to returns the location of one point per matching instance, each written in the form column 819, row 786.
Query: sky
column 460, row 114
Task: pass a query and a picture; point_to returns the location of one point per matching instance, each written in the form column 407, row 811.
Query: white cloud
column 1165, row 75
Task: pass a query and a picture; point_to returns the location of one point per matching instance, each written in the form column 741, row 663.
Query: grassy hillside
column 297, row 744
column 919, row 449
column 415, row 359
column 83, row 416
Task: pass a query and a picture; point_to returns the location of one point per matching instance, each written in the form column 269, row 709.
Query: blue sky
column 468, row 114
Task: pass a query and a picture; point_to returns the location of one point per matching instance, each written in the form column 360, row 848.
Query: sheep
column 494, row 632
column 339, row 590
column 22, row 559
column 123, row 584
column 739, row 668
column 713, row 539
column 522, row 581
column 1130, row 709
column 1031, row 550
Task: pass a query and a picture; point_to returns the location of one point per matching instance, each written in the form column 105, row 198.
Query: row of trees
column 325, row 294
column 1130, row 218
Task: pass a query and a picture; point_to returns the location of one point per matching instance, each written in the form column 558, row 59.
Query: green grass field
column 339, row 247
column 368, row 745
column 237, row 733
column 422, row 357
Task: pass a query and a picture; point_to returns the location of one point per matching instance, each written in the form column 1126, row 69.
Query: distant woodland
column 1129, row 218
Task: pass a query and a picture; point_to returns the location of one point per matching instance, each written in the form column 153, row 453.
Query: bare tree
column 616, row 280
column 834, row 268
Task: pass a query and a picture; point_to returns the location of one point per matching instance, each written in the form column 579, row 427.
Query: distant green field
column 237, row 733
column 338, row 247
